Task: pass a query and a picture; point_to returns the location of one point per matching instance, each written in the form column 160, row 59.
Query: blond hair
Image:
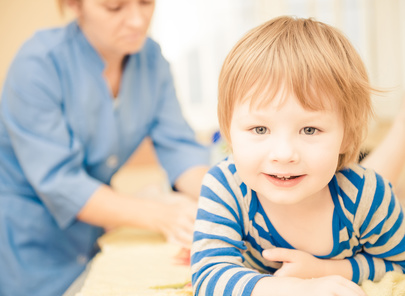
column 307, row 58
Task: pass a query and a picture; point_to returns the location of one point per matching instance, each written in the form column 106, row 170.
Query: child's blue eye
column 260, row 130
column 309, row 130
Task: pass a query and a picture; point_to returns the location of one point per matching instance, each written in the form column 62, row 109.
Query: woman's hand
column 151, row 208
column 174, row 217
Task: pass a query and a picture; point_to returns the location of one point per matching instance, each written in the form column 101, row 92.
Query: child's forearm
column 330, row 285
column 277, row 286
column 338, row 267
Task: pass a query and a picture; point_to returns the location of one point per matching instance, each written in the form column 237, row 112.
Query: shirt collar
column 92, row 56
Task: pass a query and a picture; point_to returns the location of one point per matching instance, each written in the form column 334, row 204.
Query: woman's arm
column 184, row 159
column 170, row 213
column 190, row 181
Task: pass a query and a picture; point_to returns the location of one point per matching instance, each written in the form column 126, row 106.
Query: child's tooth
column 284, row 177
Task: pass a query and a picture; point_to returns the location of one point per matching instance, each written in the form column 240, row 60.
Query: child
column 289, row 212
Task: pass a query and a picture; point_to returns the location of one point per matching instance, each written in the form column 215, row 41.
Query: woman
column 76, row 103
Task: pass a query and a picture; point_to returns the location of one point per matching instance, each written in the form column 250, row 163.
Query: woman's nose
column 135, row 16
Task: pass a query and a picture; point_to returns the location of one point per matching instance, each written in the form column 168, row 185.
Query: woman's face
column 114, row 27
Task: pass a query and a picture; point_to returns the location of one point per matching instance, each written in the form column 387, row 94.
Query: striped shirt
column 232, row 230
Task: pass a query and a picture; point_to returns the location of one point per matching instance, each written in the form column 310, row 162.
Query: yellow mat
column 392, row 284
column 137, row 263
column 134, row 262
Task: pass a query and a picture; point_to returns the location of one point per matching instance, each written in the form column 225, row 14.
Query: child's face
column 287, row 154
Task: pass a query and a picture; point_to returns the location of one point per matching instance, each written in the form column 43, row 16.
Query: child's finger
column 280, row 272
column 279, row 254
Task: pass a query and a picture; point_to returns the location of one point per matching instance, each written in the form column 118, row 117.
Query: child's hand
column 304, row 265
column 296, row 263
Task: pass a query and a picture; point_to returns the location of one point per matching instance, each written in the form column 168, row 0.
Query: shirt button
column 82, row 259
column 112, row 161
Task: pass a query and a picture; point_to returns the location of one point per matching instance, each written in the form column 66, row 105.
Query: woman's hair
column 306, row 58
column 62, row 4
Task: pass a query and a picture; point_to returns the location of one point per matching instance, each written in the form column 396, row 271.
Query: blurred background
column 196, row 35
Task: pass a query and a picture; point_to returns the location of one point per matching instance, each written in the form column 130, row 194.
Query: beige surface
column 134, row 262
column 134, row 179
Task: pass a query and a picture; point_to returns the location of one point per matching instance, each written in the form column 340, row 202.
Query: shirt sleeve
column 50, row 155
column 217, row 261
column 175, row 142
column 382, row 232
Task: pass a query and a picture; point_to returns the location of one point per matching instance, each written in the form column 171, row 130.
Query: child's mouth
column 284, row 178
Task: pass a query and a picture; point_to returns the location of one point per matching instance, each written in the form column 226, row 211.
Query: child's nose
column 283, row 150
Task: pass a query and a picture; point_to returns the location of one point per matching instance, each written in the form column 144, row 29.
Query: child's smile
column 284, row 180
column 284, row 152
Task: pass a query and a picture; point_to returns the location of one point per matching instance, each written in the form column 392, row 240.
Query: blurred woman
column 75, row 105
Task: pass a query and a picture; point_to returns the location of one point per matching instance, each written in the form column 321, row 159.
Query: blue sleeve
column 50, row 155
column 174, row 140
column 217, row 261
column 382, row 236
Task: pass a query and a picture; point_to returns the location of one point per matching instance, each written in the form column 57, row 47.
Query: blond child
column 290, row 212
